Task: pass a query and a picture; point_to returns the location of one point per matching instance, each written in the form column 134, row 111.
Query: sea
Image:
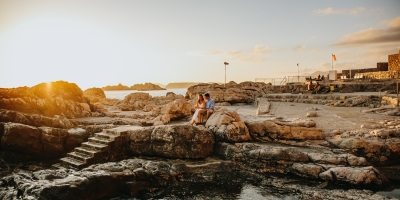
column 121, row 94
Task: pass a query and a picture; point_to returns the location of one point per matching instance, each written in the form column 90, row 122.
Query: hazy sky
column 98, row 43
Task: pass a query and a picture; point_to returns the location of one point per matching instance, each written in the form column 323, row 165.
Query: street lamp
column 298, row 73
column 225, row 63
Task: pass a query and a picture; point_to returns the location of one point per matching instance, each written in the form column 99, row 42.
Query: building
column 394, row 62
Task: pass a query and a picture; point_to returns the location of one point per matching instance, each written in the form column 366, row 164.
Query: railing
column 285, row 80
column 273, row 81
column 298, row 79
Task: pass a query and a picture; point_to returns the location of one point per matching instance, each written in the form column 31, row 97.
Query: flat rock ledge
column 304, row 162
column 144, row 179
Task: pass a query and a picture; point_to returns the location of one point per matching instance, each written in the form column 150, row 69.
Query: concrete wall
column 394, row 62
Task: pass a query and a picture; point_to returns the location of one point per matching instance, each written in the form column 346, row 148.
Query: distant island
column 180, row 85
column 140, row 87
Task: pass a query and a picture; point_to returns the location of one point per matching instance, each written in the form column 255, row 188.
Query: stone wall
column 355, row 71
column 380, row 75
column 394, row 62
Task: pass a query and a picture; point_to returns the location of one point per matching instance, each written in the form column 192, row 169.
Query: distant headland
column 180, row 85
column 140, row 87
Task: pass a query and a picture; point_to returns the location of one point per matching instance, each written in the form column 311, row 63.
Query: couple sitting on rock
column 203, row 105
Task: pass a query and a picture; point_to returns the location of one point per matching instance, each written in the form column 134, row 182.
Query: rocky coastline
column 59, row 142
column 139, row 87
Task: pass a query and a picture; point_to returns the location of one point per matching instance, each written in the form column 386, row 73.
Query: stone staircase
column 109, row 145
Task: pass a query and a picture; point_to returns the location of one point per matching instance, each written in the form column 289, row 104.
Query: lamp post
column 298, row 73
column 225, row 63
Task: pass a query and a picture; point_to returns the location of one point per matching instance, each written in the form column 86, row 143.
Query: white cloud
column 345, row 11
column 373, row 36
column 255, row 55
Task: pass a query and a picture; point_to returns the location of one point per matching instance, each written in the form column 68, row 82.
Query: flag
column 334, row 57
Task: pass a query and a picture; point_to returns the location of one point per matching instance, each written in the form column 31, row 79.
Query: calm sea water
column 121, row 94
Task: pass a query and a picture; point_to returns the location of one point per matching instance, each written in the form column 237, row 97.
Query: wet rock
column 304, row 162
column 335, row 159
column 356, row 176
column 377, row 151
column 227, row 127
column 309, row 171
column 134, row 178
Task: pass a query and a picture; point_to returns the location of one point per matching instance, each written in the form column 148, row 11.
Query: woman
column 200, row 107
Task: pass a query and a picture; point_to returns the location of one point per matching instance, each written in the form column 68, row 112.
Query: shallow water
column 391, row 193
column 121, row 94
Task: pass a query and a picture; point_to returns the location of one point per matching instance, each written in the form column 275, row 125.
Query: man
column 209, row 105
column 310, row 86
column 317, row 88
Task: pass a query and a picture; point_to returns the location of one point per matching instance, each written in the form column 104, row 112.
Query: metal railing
column 273, row 81
column 284, row 80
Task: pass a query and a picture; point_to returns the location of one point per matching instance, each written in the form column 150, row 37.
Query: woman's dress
column 200, row 107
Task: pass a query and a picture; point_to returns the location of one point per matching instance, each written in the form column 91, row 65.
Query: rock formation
column 228, row 127
column 244, row 92
column 94, row 94
column 48, row 99
column 140, row 87
column 146, row 86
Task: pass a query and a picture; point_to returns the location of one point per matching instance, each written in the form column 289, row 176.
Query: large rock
column 245, row 92
column 228, row 127
column 175, row 141
column 94, row 94
column 146, row 86
column 22, row 138
column 134, row 101
column 36, row 120
column 177, row 109
column 267, row 130
column 155, row 179
column 49, row 99
column 263, row 106
column 30, row 142
column 309, row 171
column 308, row 163
column 355, row 176
column 376, row 150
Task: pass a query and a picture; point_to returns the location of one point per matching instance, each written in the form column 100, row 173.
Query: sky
column 95, row 43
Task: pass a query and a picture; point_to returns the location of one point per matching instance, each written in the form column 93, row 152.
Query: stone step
column 116, row 132
column 95, row 146
column 73, row 163
column 80, row 157
column 107, row 136
column 100, row 141
column 86, row 151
